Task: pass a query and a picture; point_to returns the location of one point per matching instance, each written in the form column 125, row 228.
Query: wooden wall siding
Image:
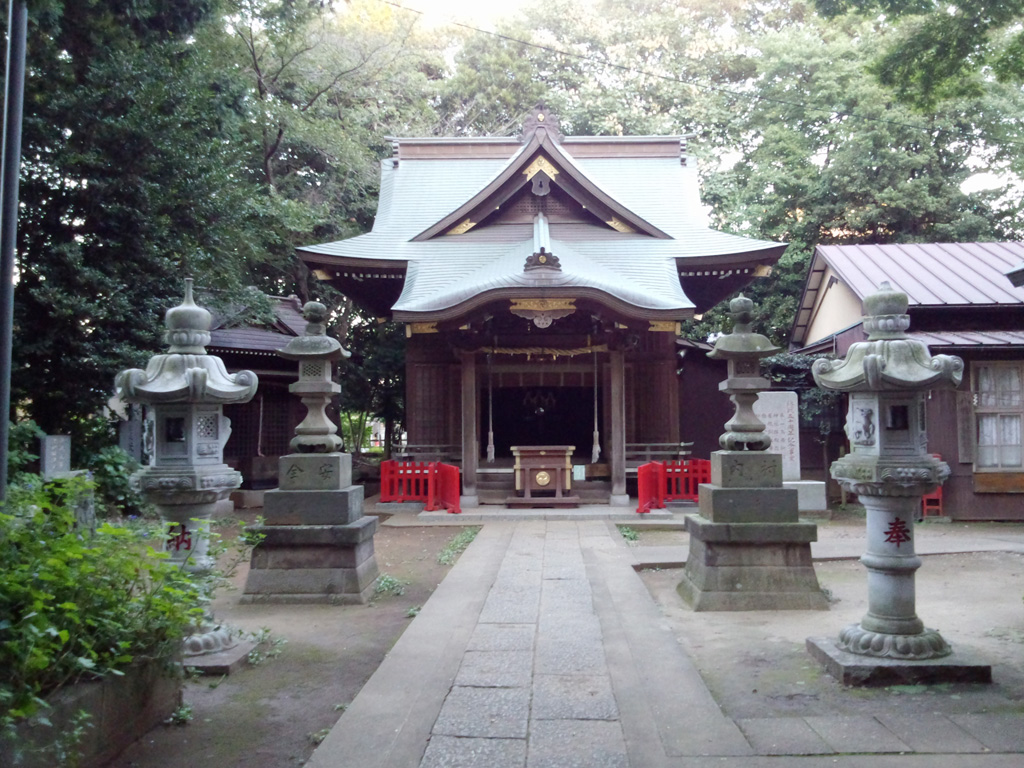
column 454, row 378
column 428, row 396
column 655, row 387
column 703, row 409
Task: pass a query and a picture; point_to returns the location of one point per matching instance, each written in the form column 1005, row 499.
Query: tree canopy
column 944, row 50
column 210, row 137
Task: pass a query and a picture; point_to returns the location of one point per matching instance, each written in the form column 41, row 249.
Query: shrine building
column 541, row 280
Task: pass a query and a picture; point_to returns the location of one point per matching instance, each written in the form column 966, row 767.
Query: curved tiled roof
column 629, row 269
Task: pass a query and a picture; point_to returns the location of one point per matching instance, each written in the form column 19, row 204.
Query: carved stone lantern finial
column 889, row 468
column 743, row 350
column 315, row 352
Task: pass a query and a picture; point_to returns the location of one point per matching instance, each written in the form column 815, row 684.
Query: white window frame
column 1008, row 409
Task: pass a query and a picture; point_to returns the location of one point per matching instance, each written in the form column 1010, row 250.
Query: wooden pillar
column 618, row 420
column 470, row 450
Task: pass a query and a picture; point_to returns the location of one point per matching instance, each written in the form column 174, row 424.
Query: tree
column 830, row 156
column 127, row 186
column 944, row 50
column 189, row 137
column 373, row 379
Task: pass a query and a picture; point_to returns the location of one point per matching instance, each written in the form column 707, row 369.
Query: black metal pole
column 17, row 31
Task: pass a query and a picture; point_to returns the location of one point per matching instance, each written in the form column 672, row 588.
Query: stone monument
column 780, row 414
column 889, row 468
column 317, row 546
column 186, row 390
column 55, row 464
column 748, row 549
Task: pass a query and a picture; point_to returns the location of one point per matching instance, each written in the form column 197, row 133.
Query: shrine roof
column 644, row 183
column 288, row 324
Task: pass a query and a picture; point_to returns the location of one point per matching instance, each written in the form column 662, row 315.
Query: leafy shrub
column 22, row 439
column 74, row 606
column 111, row 470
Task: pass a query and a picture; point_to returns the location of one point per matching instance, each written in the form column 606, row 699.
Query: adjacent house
column 961, row 303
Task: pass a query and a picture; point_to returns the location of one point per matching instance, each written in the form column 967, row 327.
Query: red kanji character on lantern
column 897, row 532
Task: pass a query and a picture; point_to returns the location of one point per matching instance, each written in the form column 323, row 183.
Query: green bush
column 111, row 470
column 22, row 440
column 75, row 606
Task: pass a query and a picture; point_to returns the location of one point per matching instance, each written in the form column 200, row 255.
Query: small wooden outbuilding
column 961, row 303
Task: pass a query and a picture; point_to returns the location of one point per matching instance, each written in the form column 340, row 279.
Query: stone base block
column 746, row 469
column 750, row 567
column 312, row 585
column 756, row 534
column 315, row 471
column 223, row 662
column 854, row 669
column 313, row 563
column 810, row 494
column 323, row 556
column 748, row 505
column 338, row 507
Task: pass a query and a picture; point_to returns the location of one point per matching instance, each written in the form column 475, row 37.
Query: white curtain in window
column 1008, row 386
column 988, row 440
column 1009, row 426
column 986, row 387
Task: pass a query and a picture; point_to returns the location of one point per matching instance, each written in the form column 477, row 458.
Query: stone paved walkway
column 543, row 649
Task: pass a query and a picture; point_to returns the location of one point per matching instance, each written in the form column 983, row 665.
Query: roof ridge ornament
column 542, row 258
column 542, row 119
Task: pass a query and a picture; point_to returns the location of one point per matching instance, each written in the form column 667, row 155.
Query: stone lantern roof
column 186, row 373
column 889, row 359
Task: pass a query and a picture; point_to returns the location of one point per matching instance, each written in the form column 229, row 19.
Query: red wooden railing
column 649, row 484
column 445, row 492
column 661, row 481
column 433, row 483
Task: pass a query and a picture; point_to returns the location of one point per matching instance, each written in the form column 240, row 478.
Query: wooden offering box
column 543, row 476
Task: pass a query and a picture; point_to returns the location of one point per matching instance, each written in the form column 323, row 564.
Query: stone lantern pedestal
column 317, row 545
column 889, row 468
column 748, row 549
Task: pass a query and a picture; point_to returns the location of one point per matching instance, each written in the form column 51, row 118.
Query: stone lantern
column 889, row 468
column 748, row 549
column 186, row 390
column 317, row 545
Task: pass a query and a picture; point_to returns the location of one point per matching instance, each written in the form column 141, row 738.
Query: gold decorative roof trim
column 762, row 270
column 542, row 305
column 540, row 164
column 414, row 328
column 664, row 326
column 619, row 226
column 461, row 229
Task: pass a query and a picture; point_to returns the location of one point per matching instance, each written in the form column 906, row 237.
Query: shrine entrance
column 539, row 416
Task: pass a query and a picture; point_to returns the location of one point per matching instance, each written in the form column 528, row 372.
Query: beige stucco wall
column 837, row 308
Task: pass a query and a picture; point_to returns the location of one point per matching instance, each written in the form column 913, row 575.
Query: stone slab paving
column 542, row 648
